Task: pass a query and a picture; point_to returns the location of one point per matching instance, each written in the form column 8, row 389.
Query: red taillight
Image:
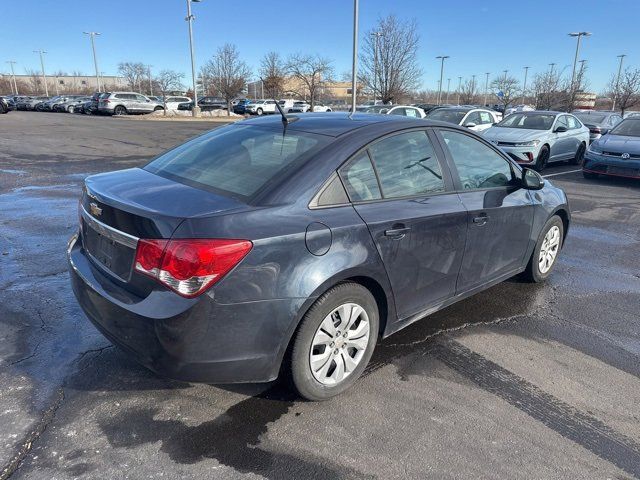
column 190, row 266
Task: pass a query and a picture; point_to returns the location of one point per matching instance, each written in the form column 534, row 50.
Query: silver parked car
column 123, row 103
column 599, row 123
column 540, row 137
column 71, row 104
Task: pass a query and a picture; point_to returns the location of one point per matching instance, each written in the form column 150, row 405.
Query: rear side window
column 407, row 165
column 360, row 179
column 478, row 165
column 237, row 160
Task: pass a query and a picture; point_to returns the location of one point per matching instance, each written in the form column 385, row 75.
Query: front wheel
column 334, row 342
column 158, row 108
column 259, row 111
column 545, row 254
column 579, row 158
column 543, row 158
column 71, row 109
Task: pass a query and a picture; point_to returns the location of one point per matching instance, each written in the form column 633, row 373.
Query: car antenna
column 285, row 120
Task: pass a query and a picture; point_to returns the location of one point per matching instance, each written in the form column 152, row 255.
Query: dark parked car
column 241, row 107
column 30, row 103
column 6, row 105
column 598, row 123
column 206, row 104
column 617, row 153
column 305, row 242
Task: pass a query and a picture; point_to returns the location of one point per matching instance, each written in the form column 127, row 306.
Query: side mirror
column 532, row 180
column 469, row 124
column 560, row 129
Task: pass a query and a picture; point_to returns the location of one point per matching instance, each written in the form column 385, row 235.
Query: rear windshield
column 237, row 160
column 591, row 117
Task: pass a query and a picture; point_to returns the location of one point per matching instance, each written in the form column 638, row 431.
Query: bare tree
column 35, row 82
column 228, row 73
column 133, row 73
column 548, row 90
column 311, row 72
column 391, row 69
column 626, row 90
column 273, row 74
column 506, row 89
column 166, row 81
column 468, row 92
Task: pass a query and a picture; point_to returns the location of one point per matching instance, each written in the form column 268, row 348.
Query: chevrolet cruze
column 289, row 246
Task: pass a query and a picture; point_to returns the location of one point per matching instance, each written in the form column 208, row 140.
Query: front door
column 500, row 212
column 415, row 219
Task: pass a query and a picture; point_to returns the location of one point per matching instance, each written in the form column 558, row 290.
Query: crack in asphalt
column 47, row 417
column 33, row 354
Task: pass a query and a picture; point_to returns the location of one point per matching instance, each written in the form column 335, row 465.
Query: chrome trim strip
column 110, row 232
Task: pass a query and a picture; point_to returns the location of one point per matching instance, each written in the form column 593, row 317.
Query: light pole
column 150, row 82
column 459, row 88
column 473, row 85
column 44, row 75
column 615, row 94
column 486, row 88
column 95, row 58
column 196, row 109
column 442, row 58
column 524, row 85
column 579, row 35
column 354, row 60
column 552, row 65
column 448, row 88
column 13, row 75
column 377, row 35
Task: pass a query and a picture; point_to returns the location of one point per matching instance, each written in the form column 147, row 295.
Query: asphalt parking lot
column 520, row 381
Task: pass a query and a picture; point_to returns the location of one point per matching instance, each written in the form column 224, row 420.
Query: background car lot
column 465, row 393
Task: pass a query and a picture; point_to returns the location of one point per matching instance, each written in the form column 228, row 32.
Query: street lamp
column 459, row 88
column 95, row 58
column 524, row 85
column 196, row 109
column 448, row 88
column 44, row 76
column 486, row 87
column 552, row 65
column 442, row 58
column 621, row 57
column 354, row 59
column 150, row 82
column 377, row 35
column 13, row 75
column 579, row 35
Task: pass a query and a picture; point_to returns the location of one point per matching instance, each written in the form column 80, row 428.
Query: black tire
column 71, row 109
column 589, row 175
column 119, row 110
column 158, row 108
column 298, row 367
column 259, row 111
column 532, row 272
column 328, row 109
column 3, row 109
column 579, row 158
column 543, row 158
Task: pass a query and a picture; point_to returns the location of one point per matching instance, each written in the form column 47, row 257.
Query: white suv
column 259, row 107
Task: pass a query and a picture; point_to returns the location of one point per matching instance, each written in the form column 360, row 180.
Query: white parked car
column 299, row 106
column 518, row 108
column 540, row 137
column 173, row 102
column 260, row 107
column 403, row 110
column 476, row 119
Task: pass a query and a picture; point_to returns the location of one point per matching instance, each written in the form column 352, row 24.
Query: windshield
column 591, row 117
column 378, row 109
column 628, row 127
column 238, row 160
column 447, row 115
column 529, row 121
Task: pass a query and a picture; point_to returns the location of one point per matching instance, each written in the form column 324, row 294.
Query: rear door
column 500, row 212
column 404, row 193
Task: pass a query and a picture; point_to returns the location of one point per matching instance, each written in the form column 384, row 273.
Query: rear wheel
column 259, row 111
column 119, row 110
column 158, row 108
column 579, row 158
column 545, row 254
column 334, row 342
column 543, row 158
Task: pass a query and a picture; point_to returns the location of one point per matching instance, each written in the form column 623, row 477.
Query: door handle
column 397, row 233
column 481, row 219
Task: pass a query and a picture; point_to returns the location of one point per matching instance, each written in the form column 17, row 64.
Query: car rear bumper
column 197, row 340
column 607, row 165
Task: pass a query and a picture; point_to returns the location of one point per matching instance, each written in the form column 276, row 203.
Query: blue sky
column 479, row 35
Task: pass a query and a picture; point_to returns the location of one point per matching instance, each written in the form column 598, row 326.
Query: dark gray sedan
column 290, row 247
column 599, row 123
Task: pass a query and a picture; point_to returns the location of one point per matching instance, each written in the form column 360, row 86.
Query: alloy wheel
column 339, row 344
column 549, row 249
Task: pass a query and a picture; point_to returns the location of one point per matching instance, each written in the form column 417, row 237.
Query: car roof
column 335, row 124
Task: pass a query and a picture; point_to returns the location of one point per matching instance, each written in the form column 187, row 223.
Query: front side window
column 410, row 112
column 360, row 179
column 238, row 159
column 573, row 123
column 478, row 165
column 407, row 165
column 398, row 111
column 562, row 122
column 485, row 117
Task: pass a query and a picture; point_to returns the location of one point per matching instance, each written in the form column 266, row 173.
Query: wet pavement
column 520, row 381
